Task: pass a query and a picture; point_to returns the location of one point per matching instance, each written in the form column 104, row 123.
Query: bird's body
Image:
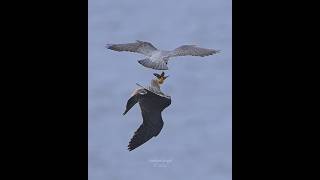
column 151, row 105
column 152, row 102
column 158, row 59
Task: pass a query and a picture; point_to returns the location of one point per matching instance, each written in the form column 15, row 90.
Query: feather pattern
column 141, row 47
column 192, row 50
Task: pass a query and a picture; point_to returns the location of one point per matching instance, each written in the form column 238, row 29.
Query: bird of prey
column 152, row 103
column 158, row 59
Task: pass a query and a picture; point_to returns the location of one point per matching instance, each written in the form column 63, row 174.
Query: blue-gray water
column 195, row 142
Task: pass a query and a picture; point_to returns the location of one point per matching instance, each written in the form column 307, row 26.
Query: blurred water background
column 195, row 142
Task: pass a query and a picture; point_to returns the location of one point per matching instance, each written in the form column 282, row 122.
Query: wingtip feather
column 216, row 51
column 108, row 46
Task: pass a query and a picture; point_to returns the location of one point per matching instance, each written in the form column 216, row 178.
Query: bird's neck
column 155, row 83
column 155, row 86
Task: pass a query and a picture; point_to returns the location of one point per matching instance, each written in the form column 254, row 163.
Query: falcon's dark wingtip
column 108, row 46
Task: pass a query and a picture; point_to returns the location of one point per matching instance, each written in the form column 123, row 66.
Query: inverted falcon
column 152, row 102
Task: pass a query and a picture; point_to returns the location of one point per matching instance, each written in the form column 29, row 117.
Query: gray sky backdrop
column 195, row 142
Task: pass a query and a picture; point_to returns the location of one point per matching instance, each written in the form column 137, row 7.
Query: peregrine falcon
column 158, row 59
column 152, row 102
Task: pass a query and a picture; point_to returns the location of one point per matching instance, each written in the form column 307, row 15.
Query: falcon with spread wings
column 158, row 59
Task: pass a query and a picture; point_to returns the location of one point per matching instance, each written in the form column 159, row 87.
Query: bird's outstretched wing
column 192, row 50
column 131, row 102
column 151, row 106
column 145, row 132
column 141, row 47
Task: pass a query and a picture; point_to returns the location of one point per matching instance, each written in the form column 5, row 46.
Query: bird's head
column 160, row 77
